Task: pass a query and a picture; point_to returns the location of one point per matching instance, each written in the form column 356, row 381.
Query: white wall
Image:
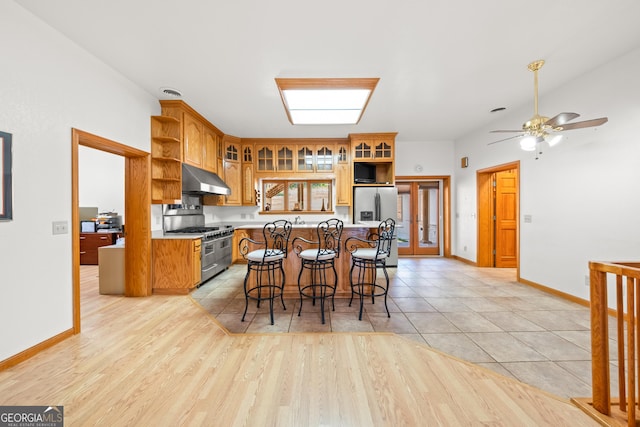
column 582, row 194
column 101, row 180
column 434, row 157
column 48, row 86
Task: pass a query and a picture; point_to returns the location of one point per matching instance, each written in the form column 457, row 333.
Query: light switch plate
column 60, row 227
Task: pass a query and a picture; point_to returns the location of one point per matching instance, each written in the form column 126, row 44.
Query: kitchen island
column 292, row 263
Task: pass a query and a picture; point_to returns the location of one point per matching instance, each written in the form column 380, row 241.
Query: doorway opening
column 137, row 201
column 498, row 216
column 423, row 216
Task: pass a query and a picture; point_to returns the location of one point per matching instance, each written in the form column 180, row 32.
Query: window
column 297, row 196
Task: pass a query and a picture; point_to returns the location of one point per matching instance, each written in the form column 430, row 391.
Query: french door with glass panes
column 419, row 213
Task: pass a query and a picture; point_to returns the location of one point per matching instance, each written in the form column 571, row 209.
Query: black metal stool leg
column 246, row 293
column 362, row 274
column 335, row 286
column 351, row 281
column 282, row 282
column 386, row 290
column 302, row 267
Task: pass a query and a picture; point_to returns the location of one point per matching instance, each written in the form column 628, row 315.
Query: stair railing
column 627, row 280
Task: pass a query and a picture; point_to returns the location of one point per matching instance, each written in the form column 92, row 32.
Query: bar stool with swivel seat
column 367, row 255
column 264, row 258
column 318, row 258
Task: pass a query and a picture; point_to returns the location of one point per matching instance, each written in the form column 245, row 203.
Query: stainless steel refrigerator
column 374, row 204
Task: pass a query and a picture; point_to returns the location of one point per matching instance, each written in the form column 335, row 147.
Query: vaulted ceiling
column 443, row 64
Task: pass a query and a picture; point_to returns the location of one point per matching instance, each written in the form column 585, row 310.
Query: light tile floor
column 481, row 315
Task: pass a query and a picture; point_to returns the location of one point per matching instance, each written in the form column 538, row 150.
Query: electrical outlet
column 60, row 227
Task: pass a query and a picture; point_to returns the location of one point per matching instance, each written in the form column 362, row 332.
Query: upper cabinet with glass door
column 274, row 158
column 372, row 147
column 324, row 158
column 296, row 156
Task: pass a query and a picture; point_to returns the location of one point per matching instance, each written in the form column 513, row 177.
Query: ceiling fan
column 539, row 128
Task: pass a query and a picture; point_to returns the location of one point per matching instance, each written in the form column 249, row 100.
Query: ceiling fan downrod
column 534, row 67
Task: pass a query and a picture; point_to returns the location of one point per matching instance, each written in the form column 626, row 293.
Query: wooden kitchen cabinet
column 210, row 150
column 265, row 158
column 274, row 158
column 199, row 139
column 284, row 159
column 376, row 150
column 372, row 146
column 232, row 170
column 344, row 183
column 176, row 265
column 232, row 177
column 166, row 160
column 193, row 137
column 196, row 262
column 238, row 235
column 249, row 196
column 305, row 159
column 324, row 158
column 89, row 244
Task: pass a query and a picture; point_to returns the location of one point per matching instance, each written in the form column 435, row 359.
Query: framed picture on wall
column 6, row 211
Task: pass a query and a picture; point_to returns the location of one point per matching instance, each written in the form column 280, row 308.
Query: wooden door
column 506, row 218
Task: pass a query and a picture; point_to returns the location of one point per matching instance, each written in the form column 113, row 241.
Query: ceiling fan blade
column 561, row 119
column 497, row 131
column 584, row 124
column 506, row 139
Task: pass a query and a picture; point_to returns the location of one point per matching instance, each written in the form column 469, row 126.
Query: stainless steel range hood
column 200, row 181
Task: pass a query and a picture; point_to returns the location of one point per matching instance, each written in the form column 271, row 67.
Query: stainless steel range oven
column 215, row 252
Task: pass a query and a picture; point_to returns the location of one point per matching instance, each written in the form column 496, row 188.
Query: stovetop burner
column 208, row 233
column 192, row 230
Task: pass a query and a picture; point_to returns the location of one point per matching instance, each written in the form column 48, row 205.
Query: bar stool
column 367, row 255
column 264, row 258
column 318, row 259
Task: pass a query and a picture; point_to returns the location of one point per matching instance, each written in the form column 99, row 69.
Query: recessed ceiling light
column 495, row 110
column 174, row 93
column 325, row 101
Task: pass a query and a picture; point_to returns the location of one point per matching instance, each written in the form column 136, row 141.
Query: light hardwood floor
column 164, row 361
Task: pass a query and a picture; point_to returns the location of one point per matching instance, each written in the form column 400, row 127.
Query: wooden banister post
column 599, row 341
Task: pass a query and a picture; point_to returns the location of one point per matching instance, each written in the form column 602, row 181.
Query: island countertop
column 314, row 224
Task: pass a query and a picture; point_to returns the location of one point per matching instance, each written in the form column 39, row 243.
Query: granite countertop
column 159, row 234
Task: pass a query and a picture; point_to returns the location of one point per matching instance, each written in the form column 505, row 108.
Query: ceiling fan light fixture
column 553, row 140
column 540, row 128
column 528, row 143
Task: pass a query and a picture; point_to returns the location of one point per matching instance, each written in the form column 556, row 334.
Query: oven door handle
column 209, row 268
